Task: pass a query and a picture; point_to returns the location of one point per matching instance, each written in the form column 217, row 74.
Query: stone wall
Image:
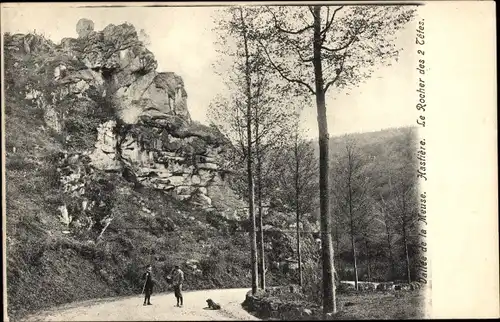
column 265, row 305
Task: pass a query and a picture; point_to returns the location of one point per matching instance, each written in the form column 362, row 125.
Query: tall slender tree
column 315, row 49
column 297, row 177
column 233, row 26
column 252, row 115
column 270, row 124
column 368, row 231
column 251, row 201
column 350, row 187
column 386, row 220
column 404, row 190
column 297, row 197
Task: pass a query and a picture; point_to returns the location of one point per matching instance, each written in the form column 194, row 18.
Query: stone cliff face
column 138, row 122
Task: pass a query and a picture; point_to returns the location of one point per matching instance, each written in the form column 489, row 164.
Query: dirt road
column 163, row 308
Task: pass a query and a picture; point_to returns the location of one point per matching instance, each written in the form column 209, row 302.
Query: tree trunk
column 405, row 241
column 251, row 210
column 108, row 222
column 369, row 259
column 329, row 305
column 261, row 244
column 351, row 217
column 299, row 255
column 337, row 246
column 353, row 244
column 259, row 195
column 297, row 205
column 389, row 245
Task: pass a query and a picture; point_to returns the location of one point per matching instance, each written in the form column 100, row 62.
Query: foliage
column 354, row 39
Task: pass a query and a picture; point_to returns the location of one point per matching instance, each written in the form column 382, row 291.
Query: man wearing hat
column 177, row 280
column 148, row 285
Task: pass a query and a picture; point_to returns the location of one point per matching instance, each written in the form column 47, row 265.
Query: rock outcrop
column 101, row 91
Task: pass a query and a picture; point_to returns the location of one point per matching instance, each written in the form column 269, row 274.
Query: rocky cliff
column 116, row 113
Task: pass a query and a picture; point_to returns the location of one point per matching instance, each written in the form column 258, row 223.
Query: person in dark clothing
column 148, row 285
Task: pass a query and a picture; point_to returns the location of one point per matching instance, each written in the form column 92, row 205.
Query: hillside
column 385, row 158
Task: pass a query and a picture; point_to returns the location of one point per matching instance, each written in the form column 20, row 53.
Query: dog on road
column 212, row 305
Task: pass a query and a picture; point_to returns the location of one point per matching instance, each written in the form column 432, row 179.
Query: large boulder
column 153, row 136
column 152, row 96
column 84, row 27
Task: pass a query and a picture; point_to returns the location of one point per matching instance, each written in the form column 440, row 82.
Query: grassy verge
column 399, row 305
column 281, row 304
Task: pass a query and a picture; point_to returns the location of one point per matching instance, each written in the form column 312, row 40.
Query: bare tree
column 352, row 195
column 337, row 235
column 253, row 116
column 314, row 50
column 404, row 212
column 243, row 67
column 368, row 232
column 385, row 212
column 270, row 125
column 404, row 192
column 297, row 178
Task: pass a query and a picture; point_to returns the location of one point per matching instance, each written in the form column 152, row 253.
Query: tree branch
column 280, row 71
column 333, row 50
column 330, row 22
column 298, row 51
column 339, row 71
column 291, row 32
column 311, row 10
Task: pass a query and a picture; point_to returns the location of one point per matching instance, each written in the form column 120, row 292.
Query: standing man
column 177, row 280
column 148, row 285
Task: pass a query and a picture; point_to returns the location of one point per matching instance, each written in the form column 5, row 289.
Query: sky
column 182, row 41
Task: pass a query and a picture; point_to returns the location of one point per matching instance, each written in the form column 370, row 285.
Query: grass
column 399, row 305
column 381, row 306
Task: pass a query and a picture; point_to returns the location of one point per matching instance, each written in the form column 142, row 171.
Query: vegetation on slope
column 49, row 264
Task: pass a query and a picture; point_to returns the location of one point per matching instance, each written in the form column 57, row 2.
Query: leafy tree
column 316, row 48
column 270, row 125
column 244, row 65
